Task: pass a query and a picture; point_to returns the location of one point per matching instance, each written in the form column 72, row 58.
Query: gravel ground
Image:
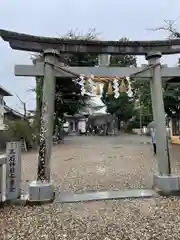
column 97, row 163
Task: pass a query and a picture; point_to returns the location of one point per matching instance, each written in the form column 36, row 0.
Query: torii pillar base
column 167, row 185
column 41, row 192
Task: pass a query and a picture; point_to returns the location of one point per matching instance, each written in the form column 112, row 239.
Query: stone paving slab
column 105, row 195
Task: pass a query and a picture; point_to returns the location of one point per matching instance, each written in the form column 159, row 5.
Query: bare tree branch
column 19, row 98
column 169, row 27
column 31, row 90
column 24, row 106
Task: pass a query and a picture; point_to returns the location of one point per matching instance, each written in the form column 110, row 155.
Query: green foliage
column 142, row 95
column 20, row 129
column 139, row 107
column 39, row 93
column 80, row 60
column 123, row 107
column 171, row 91
column 68, row 98
column 123, row 60
column 172, row 99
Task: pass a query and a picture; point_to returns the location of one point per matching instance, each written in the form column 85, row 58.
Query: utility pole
column 24, row 107
column 140, row 116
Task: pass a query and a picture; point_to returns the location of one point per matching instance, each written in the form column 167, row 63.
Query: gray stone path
column 97, row 163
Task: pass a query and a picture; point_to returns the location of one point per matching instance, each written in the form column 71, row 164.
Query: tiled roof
column 9, row 109
column 4, row 92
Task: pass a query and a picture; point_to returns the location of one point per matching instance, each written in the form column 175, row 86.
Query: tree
column 20, row 129
column 171, row 90
column 169, row 27
column 123, row 60
column 80, row 59
column 142, row 95
column 172, row 98
column 123, row 107
column 68, row 95
column 139, row 106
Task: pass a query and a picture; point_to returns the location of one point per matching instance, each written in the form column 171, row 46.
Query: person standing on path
column 153, row 135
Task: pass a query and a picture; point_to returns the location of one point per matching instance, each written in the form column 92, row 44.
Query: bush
column 4, row 138
column 18, row 130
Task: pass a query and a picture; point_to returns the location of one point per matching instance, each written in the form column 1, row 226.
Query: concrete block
column 167, row 183
column 41, row 192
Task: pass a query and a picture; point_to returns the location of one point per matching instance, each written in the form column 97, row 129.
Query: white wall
column 1, row 112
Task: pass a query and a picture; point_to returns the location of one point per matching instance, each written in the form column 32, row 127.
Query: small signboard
column 82, row 126
column 23, row 146
column 13, row 170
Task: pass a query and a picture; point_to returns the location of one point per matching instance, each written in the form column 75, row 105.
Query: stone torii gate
column 42, row 190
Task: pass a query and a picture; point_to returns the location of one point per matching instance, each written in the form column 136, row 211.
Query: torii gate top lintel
column 33, row 43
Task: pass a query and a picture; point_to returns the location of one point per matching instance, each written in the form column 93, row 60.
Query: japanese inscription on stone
column 13, row 170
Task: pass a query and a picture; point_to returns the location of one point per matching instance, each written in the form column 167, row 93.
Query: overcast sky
column 113, row 19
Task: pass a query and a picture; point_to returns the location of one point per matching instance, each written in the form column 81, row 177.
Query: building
column 5, row 111
column 94, row 105
column 3, row 93
column 12, row 114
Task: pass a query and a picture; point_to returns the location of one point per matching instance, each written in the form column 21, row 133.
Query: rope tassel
column 122, row 87
column 110, row 89
column 98, row 89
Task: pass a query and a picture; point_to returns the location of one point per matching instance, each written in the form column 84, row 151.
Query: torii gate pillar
column 163, row 180
column 159, row 114
column 42, row 189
